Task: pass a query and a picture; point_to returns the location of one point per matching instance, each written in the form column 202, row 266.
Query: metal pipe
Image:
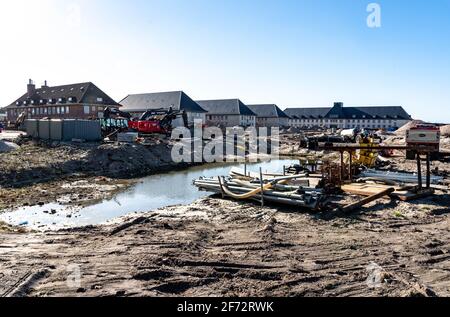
column 262, row 186
column 419, row 171
column 428, row 171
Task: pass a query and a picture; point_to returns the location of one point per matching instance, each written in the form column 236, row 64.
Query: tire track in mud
column 243, row 255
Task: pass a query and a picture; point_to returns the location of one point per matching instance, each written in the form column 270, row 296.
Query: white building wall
column 196, row 116
column 348, row 123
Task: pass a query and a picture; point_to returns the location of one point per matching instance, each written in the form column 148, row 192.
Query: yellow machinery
column 366, row 157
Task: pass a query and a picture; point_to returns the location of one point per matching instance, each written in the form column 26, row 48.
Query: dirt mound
column 32, row 163
column 445, row 130
column 7, row 147
column 406, row 127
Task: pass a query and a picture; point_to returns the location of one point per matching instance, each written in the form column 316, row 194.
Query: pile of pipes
column 273, row 189
column 398, row 177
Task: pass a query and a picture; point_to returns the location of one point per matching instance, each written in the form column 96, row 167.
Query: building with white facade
column 228, row 113
column 269, row 116
column 340, row 117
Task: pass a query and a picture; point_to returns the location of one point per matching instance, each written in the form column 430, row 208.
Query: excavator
column 19, row 121
column 155, row 121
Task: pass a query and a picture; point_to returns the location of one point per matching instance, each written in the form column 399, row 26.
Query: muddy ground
column 213, row 247
column 38, row 173
column 223, row 248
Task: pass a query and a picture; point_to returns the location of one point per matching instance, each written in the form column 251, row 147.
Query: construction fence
column 64, row 130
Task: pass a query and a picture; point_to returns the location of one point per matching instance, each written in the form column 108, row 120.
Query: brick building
column 75, row 101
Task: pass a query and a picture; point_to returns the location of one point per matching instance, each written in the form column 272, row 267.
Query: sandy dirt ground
column 216, row 247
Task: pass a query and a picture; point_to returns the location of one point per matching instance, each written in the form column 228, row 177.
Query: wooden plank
column 368, row 200
column 365, row 189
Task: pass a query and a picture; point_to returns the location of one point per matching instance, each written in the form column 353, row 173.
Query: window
column 67, row 109
column 86, row 109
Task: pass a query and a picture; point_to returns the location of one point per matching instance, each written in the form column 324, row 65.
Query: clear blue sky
column 290, row 52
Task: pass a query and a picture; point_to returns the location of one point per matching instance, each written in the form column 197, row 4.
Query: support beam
column 261, row 180
column 419, row 171
column 365, row 201
column 350, row 171
column 428, row 171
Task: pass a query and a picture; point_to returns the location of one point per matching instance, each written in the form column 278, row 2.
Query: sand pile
column 445, row 130
column 406, row 127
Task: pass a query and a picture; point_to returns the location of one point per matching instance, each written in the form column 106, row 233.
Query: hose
column 250, row 194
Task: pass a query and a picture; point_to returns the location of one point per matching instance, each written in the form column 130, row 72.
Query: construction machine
column 423, row 135
column 156, row 121
column 18, row 122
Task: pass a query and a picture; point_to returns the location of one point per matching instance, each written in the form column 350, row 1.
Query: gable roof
column 375, row 112
column 82, row 92
column 178, row 100
column 307, row 113
column 386, row 112
column 268, row 111
column 226, row 107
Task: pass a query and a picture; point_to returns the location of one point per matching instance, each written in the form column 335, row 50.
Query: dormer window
column 32, row 102
column 17, row 103
column 51, row 100
column 72, row 99
column 25, row 102
column 42, row 101
column 61, row 100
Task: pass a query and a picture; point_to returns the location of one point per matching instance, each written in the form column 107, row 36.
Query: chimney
column 339, row 105
column 31, row 88
column 45, row 85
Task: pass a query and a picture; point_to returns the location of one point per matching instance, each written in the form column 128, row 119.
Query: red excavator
column 156, row 121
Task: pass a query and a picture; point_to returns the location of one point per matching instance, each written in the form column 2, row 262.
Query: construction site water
column 150, row 193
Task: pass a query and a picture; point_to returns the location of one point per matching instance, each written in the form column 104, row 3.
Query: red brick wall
column 76, row 111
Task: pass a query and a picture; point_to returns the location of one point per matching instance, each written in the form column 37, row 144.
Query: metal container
column 44, row 129
column 129, row 137
column 86, row 130
column 56, row 130
column 32, row 128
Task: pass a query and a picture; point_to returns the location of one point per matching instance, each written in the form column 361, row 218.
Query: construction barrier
column 64, row 130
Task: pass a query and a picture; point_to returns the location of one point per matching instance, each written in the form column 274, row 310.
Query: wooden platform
column 402, row 193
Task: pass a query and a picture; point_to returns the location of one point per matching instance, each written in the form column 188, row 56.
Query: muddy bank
column 70, row 191
column 40, row 162
column 38, row 173
column 217, row 247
